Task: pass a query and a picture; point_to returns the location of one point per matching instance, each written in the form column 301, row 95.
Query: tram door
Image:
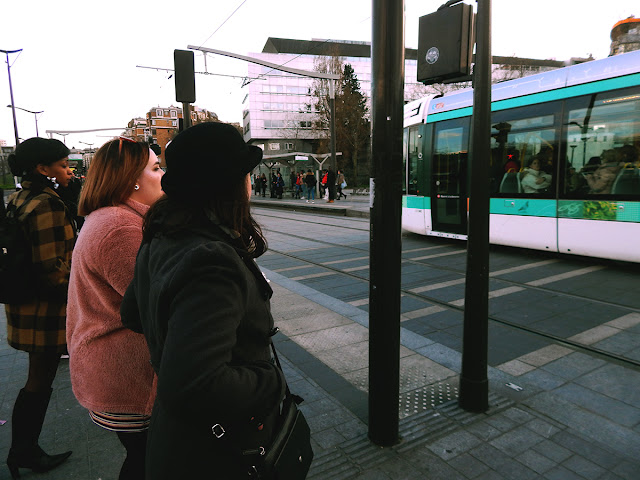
column 449, row 177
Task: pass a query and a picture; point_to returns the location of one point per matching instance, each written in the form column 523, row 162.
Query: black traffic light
column 445, row 44
column 185, row 76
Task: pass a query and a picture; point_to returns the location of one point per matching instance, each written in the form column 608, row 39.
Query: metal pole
column 474, row 385
column 387, row 62
column 13, row 110
column 35, row 115
column 332, row 108
column 186, row 115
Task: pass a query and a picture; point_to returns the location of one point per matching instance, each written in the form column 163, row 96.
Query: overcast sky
column 80, row 59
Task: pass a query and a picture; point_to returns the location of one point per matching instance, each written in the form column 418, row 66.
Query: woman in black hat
column 36, row 324
column 203, row 305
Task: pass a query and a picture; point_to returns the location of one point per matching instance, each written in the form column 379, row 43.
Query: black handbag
column 289, row 455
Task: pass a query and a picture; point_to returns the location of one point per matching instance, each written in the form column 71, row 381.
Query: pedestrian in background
column 263, row 184
column 331, row 185
column 279, row 185
column 304, row 186
column 203, row 305
column 341, row 183
column 110, row 371
column 37, row 326
column 323, row 183
column 310, row 181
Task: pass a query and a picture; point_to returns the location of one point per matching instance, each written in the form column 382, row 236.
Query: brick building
column 161, row 124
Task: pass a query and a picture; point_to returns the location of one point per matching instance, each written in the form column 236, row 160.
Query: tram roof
column 610, row 67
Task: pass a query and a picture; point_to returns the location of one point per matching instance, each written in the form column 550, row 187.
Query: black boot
column 26, row 424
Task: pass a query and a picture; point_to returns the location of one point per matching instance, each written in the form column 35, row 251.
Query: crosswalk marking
column 564, row 276
column 435, row 255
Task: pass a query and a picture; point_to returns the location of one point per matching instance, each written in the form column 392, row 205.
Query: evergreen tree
column 352, row 123
column 353, row 128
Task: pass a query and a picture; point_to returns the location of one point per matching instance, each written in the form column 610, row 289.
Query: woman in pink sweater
column 111, row 374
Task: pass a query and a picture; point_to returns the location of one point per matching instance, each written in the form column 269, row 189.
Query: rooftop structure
column 625, row 36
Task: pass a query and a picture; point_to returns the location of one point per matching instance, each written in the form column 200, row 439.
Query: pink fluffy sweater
column 110, row 366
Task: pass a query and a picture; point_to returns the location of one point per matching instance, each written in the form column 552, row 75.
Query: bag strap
column 288, row 393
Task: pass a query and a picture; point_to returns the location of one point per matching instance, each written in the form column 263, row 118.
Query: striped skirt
column 121, row 422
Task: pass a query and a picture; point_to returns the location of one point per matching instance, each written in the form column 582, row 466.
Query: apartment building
column 161, row 124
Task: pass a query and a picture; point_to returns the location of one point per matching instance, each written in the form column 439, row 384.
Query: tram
column 564, row 163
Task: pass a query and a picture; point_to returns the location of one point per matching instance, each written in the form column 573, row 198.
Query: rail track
column 278, row 224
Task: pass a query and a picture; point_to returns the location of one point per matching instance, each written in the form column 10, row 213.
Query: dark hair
column 36, row 151
column 112, row 175
column 229, row 203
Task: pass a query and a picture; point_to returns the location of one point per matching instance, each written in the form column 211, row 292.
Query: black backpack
column 17, row 277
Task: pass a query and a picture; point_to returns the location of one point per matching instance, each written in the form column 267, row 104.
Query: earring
column 136, row 187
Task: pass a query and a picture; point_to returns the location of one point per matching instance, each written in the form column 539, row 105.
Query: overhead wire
column 222, row 24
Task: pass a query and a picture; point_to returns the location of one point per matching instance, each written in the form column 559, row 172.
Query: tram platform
column 355, row 205
column 556, row 413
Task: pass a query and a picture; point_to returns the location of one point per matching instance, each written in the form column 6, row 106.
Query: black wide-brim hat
column 207, row 155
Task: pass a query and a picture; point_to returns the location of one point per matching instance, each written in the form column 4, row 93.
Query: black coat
column 205, row 313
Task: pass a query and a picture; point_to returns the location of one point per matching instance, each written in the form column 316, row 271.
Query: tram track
column 589, row 349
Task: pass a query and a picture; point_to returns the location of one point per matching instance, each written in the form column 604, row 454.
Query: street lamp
column 90, row 144
column 15, row 124
column 35, row 114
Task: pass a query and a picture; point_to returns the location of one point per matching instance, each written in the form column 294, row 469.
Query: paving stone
column 502, row 463
column 583, row 467
column 542, row 428
column 469, row 466
column 516, row 441
column 607, row 380
column 455, row 444
column 615, row 410
column 552, row 450
column 536, row 461
column 561, row 473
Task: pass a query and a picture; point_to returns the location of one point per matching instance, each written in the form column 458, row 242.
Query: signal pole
column 474, row 383
column 13, row 110
column 387, row 100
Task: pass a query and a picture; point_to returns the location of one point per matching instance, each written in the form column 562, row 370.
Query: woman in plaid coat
column 38, row 326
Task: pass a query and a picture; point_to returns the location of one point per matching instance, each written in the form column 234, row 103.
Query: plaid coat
column 39, row 326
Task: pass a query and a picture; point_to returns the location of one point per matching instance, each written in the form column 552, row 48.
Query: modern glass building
column 278, row 108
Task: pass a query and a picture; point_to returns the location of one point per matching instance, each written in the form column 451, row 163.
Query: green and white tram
column 564, row 168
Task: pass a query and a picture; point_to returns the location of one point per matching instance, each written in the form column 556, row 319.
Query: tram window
column 603, row 145
column 523, row 151
column 413, row 155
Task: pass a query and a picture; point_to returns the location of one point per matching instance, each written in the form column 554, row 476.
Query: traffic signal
column 445, row 44
column 185, row 76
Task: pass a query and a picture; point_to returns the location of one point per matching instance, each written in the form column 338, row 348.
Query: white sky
column 79, row 58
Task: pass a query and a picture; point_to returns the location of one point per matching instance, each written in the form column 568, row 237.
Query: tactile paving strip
column 419, row 390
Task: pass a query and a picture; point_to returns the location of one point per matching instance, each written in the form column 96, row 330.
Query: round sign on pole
column 432, row 56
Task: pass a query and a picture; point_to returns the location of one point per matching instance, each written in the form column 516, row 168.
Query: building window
column 273, row 124
column 153, row 122
column 158, row 112
column 288, row 146
column 166, row 113
column 274, row 146
column 174, row 114
column 174, row 123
